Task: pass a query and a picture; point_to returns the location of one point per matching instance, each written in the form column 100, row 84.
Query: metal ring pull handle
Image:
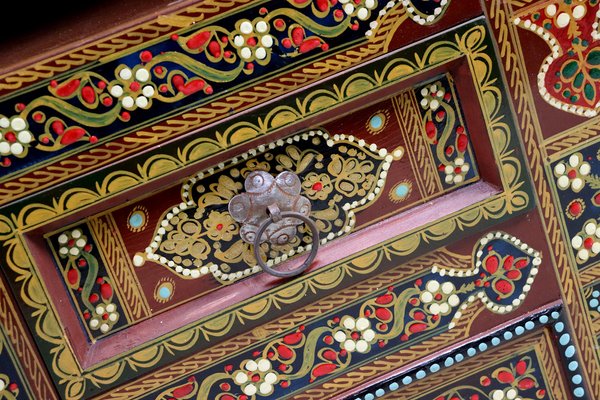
column 270, row 210
column 313, row 251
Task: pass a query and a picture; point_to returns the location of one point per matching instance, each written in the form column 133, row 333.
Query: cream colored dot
column 100, row 310
column 62, row 239
column 339, row 336
column 127, row 102
column 2, row 385
column 265, row 388
column 434, row 308
column 260, row 53
column 511, row 394
column 64, row 251
column 16, row 148
column 349, row 323
column 4, row 148
column 264, row 365
column 574, row 160
column 241, row 377
column 246, row 53
column 24, row 137
column 261, row 27
column 447, row 287
column 104, row 328
column 238, row 41
column 563, row 182
column 74, row 251
column 246, row 27
column 349, row 345
column 579, row 12
column 80, row 242
column 251, row 365
column 18, row 124
column 465, row 168
column 458, row 179
column 368, row 335
column 590, row 228
column 497, row 395
column 362, row 346
column 4, row 122
column 116, row 91
column 94, row 323
column 433, row 286
column 141, row 102
column 267, row 41
column 370, row 4
column 362, row 324
column 551, row 10
column 448, row 169
column 444, row 308
column 577, row 184
column 113, row 317
column 362, row 13
column 142, row 75
column 110, row 307
column 271, row 377
column 349, row 8
column 148, row 91
column 76, row 233
column 459, row 161
column 434, row 104
column 426, row 297
column 596, row 248
column 583, row 254
column 576, row 242
column 453, row 300
column 125, row 73
column 250, row 390
column 138, row 260
column 563, row 20
column 560, row 169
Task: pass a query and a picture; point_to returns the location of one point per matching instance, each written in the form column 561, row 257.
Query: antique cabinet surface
column 446, row 151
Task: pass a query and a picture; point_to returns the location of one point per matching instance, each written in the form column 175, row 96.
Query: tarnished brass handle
column 270, row 210
column 272, row 219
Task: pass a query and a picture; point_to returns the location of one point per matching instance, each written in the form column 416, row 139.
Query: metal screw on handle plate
column 270, row 210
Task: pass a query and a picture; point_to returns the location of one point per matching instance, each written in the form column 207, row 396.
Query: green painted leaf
column 578, row 80
column 594, row 57
column 589, row 91
column 595, row 73
column 570, row 69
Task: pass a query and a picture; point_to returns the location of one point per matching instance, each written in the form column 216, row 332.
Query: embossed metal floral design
column 262, row 191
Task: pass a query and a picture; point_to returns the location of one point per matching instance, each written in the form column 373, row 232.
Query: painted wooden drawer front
column 441, row 218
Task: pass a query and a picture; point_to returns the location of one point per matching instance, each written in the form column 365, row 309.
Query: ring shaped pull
column 313, row 251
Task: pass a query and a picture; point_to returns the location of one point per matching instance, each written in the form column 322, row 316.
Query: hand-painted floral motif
column 501, row 275
column 92, row 290
column 339, row 175
column 445, row 132
column 572, row 174
column 569, row 77
column 519, row 378
column 114, row 97
column 8, row 390
column 577, row 178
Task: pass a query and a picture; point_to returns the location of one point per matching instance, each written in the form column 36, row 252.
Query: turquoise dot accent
column 420, row 374
column 407, row 380
column 555, row 314
column 376, row 122
column 596, row 293
column 164, row 292
column 459, row 357
column 369, row 396
column 495, row 341
column 559, row 327
column 577, row 379
column 482, row 347
column 564, row 339
column 434, row 368
column 136, row 220
column 594, row 303
column 573, row 365
column 449, row 362
column 394, row 386
column 379, row 392
column 570, row 351
column 402, row 190
column 579, row 392
column 519, row 330
column 508, row 335
column 529, row 325
column 471, row 352
column 544, row 319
